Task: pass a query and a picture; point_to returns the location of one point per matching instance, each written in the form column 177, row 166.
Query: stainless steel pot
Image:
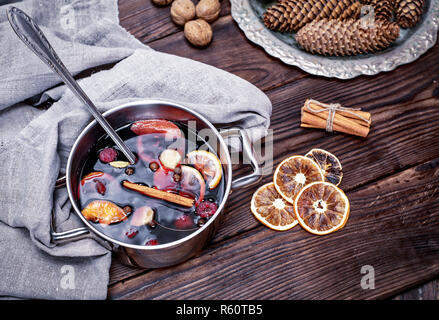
column 165, row 254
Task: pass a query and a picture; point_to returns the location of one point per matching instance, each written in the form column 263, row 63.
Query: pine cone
column 291, row 15
column 383, row 8
column 408, row 12
column 344, row 38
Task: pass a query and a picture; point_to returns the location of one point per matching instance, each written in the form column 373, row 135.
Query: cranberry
column 100, row 187
column 184, row 222
column 206, row 209
column 107, row 155
column 152, row 242
column 131, row 233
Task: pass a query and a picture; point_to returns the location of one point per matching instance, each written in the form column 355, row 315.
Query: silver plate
column 410, row 45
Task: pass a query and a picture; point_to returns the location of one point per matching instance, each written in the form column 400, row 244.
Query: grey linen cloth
column 35, row 142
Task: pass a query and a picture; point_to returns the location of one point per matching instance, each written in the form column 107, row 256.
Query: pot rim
column 159, row 246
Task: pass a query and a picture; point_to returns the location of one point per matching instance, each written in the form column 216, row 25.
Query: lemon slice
column 192, row 182
column 208, row 164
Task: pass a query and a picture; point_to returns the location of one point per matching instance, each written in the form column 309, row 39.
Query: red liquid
column 167, row 216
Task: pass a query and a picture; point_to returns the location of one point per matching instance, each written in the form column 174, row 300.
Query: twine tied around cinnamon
column 332, row 108
column 334, row 117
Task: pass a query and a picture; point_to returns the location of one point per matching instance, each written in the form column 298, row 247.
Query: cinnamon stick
column 159, row 194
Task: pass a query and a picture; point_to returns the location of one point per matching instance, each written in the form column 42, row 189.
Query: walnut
column 162, row 2
column 182, row 11
column 198, row 32
column 208, row 10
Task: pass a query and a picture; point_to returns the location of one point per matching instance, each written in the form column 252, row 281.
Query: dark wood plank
column 428, row 291
column 231, row 51
column 146, row 21
column 393, row 227
column 121, row 272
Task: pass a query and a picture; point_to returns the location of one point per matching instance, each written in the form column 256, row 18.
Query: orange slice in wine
column 103, row 211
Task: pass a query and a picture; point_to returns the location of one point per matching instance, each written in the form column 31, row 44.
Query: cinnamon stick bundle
column 346, row 120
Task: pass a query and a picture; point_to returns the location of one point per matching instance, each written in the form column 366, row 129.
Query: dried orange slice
column 321, row 208
column 330, row 165
column 103, row 211
column 293, row 173
column 208, row 164
column 271, row 209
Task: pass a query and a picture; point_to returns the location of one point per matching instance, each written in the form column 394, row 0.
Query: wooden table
column 391, row 179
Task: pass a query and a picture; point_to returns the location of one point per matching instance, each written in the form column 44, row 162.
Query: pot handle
column 70, row 235
column 248, row 151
